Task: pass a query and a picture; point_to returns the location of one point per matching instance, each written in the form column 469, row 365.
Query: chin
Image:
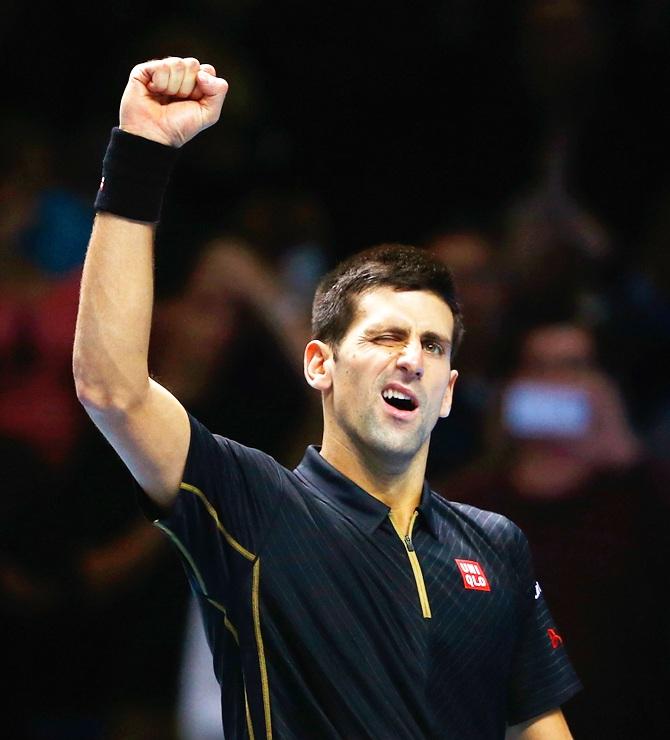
column 402, row 447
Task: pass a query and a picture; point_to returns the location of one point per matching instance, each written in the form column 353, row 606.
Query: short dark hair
column 398, row 266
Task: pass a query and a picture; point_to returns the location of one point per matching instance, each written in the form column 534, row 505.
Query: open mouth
column 399, row 400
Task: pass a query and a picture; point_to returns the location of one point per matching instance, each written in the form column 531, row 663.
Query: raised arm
column 165, row 104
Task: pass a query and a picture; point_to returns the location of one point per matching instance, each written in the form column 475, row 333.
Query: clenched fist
column 171, row 100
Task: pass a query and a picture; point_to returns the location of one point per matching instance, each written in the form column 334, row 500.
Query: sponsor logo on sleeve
column 555, row 639
column 473, row 575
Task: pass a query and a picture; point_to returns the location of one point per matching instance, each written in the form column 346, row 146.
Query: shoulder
column 486, row 520
column 226, row 457
column 488, row 535
column 475, row 523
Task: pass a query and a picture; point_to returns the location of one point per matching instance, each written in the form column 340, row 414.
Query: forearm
column 110, row 359
column 548, row 726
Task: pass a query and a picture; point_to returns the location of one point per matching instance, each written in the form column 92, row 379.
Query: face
column 550, row 403
column 391, row 378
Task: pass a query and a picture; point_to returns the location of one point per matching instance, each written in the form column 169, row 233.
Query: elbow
column 95, row 398
column 99, row 397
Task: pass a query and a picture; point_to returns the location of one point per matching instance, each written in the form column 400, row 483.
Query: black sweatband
column 135, row 175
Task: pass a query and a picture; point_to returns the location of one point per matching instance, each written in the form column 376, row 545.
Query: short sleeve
column 543, row 677
column 225, row 504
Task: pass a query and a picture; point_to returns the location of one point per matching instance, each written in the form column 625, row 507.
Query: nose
column 411, row 359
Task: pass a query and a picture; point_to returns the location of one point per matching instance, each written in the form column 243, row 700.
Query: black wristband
column 135, row 175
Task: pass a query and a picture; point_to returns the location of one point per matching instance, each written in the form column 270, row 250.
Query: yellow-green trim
column 185, row 553
column 226, row 622
column 416, row 567
column 418, row 574
column 201, row 582
column 250, row 727
column 212, row 512
column 255, row 605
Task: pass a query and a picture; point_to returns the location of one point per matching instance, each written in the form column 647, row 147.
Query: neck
column 399, row 487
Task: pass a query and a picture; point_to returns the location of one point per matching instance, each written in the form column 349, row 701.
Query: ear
column 445, row 408
column 318, row 356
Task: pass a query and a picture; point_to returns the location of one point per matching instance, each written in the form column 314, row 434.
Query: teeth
column 392, row 393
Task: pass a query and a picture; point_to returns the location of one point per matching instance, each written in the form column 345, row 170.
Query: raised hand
column 171, row 100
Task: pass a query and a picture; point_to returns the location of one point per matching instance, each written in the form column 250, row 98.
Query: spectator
column 69, row 562
column 39, row 423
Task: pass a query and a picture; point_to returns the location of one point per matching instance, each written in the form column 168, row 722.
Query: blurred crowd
column 561, row 416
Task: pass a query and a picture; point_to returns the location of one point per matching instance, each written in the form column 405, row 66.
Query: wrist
column 135, row 176
column 143, row 134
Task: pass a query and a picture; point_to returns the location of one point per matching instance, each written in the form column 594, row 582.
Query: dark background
column 393, row 121
column 399, row 115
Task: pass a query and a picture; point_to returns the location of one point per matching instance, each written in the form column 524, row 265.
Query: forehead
column 409, row 309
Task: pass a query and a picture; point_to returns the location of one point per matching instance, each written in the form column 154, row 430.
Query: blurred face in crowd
column 481, row 291
column 564, row 414
column 389, row 379
column 470, row 258
column 553, row 391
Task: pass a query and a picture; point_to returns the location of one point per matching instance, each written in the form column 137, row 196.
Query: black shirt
column 324, row 622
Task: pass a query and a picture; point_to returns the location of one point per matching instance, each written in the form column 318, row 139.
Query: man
column 343, row 599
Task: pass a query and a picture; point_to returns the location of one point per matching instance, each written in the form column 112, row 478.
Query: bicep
column 548, row 726
column 152, row 439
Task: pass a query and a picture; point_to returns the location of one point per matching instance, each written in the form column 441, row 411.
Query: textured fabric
column 312, row 607
column 135, row 176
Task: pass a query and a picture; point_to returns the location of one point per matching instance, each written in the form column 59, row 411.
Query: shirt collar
column 352, row 500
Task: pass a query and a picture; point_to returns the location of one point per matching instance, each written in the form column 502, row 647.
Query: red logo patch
column 473, row 575
column 556, row 639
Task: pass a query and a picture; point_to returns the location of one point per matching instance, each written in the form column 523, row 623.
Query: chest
column 431, row 603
